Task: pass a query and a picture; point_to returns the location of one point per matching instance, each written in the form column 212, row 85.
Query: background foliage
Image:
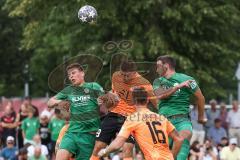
column 202, row 35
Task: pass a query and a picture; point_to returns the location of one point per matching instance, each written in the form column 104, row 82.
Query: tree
column 202, row 35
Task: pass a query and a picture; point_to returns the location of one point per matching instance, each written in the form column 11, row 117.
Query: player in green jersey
column 174, row 90
column 84, row 121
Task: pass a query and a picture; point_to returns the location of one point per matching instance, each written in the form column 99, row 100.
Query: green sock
column 184, row 151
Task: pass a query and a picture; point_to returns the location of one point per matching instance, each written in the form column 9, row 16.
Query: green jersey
column 177, row 103
column 30, row 127
column 55, row 126
column 84, row 110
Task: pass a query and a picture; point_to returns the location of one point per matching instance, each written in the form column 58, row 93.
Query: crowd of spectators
column 28, row 134
column 219, row 138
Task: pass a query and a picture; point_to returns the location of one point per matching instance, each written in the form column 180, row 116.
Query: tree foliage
column 202, row 35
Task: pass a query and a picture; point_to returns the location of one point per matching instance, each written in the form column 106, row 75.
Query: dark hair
column 128, row 66
column 167, row 59
column 75, row 65
column 140, row 96
column 57, row 111
column 217, row 120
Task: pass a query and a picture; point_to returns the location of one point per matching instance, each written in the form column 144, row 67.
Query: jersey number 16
column 155, row 132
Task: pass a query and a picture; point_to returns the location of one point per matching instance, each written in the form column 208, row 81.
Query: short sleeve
column 98, row 88
column 127, row 128
column 170, row 127
column 63, row 95
column 193, row 86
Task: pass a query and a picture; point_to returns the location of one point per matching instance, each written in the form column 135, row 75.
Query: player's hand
column 102, row 152
column 202, row 120
column 185, row 84
column 100, row 101
column 64, row 105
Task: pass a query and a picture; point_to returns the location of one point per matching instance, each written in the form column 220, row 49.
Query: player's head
column 75, row 73
column 140, row 96
column 128, row 70
column 164, row 64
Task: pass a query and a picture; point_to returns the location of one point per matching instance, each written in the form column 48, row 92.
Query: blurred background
column 39, row 37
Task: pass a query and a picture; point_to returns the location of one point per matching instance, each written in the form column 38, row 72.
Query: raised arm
column 115, row 145
column 52, row 102
column 200, row 102
column 163, row 94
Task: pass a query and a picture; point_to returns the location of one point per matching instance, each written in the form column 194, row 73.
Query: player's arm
column 163, row 94
column 200, row 102
column 178, row 140
column 52, row 102
column 114, row 146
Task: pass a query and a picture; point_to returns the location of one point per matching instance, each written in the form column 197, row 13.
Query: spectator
column 216, row 132
column 37, row 154
column 223, row 116
column 212, row 113
column 23, row 114
column 8, row 122
column 231, row 152
column 55, row 126
column 198, row 133
column 37, row 143
column 234, row 122
column 30, row 126
column 209, row 154
column 224, row 142
column 28, row 102
column 22, row 154
column 208, row 146
column 49, row 112
column 10, row 151
column 195, row 152
column 43, row 130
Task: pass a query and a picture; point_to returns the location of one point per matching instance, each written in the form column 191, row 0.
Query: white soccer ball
column 87, row 14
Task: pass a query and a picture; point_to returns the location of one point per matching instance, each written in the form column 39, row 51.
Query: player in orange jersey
column 122, row 83
column 149, row 129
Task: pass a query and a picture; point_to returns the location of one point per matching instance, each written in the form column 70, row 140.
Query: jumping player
column 122, row 82
column 174, row 90
column 84, row 121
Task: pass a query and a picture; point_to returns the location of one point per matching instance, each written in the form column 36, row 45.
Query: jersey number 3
column 155, row 132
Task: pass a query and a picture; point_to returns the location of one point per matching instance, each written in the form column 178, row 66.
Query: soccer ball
column 87, row 14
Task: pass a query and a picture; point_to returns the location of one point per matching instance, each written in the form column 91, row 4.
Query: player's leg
column 85, row 144
column 97, row 147
column 105, row 134
column 184, row 127
column 67, row 147
column 63, row 154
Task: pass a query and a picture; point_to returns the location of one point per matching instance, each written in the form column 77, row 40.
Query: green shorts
column 182, row 124
column 79, row 144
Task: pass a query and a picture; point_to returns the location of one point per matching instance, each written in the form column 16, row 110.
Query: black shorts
column 110, row 126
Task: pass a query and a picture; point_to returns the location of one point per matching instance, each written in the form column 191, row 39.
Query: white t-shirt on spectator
column 31, row 148
column 233, row 119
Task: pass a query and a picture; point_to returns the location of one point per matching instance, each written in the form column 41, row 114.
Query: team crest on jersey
column 86, row 90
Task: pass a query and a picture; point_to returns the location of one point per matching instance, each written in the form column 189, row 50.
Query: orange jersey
column 151, row 133
column 62, row 133
column 125, row 106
